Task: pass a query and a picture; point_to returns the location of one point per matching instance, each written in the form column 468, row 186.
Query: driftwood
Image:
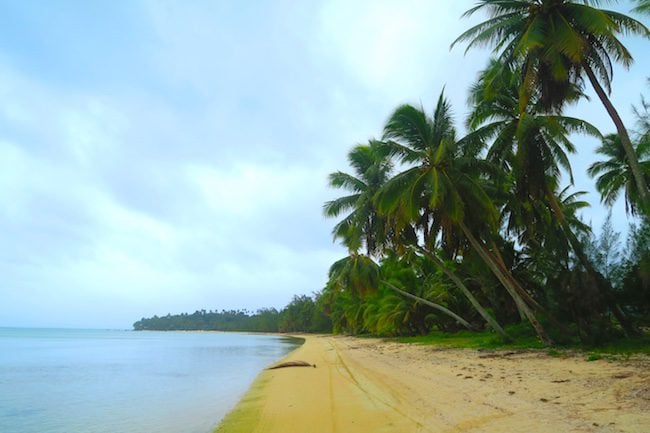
column 292, row 364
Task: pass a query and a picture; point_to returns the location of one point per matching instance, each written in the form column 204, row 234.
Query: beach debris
column 501, row 354
column 292, row 364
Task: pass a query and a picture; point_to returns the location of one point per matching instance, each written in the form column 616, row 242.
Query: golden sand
column 367, row 385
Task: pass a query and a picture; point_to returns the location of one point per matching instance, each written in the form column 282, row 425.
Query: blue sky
column 168, row 156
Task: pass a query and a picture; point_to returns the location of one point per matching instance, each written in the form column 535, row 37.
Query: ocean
column 103, row 381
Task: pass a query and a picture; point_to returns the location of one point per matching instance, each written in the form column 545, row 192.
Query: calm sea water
column 91, row 381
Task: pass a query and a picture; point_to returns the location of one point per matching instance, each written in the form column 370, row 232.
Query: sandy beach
column 369, row 385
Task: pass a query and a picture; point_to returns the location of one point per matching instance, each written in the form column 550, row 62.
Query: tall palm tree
column 614, row 174
column 557, row 43
column 529, row 145
column 533, row 147
column 548, row 250
column 362, row 225
column 442, row 179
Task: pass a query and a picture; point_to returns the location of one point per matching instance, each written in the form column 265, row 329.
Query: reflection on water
column 92, row 381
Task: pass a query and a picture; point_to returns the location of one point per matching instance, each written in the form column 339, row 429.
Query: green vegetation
column 482, row 232
column 476, row 240
column 525, row 339
column 303, row 314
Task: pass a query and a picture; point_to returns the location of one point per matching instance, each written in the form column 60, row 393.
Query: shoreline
column 370, row 385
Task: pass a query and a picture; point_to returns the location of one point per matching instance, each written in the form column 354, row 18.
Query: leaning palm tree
column 362, row 225
column 532, row 147
column 556, row 43
column 360, row 275
column 614, row 174
column 441, row 179
column 529, row 144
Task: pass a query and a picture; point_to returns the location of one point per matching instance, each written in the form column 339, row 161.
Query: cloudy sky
column 168, row 156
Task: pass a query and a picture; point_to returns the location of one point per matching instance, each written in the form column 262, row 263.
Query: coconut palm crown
column 556, row 43
column 362, row 225
column 614, row 175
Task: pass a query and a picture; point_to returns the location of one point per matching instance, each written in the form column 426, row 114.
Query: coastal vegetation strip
column 302, row 314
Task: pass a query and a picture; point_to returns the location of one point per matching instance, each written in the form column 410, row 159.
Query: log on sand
column 292, row 364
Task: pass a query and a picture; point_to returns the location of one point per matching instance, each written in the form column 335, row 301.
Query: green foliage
column 643, row 7
column 554, row 353
column 624, row 346
column 362, row 225
column 525, row 339
column 614, row 174
column 232, row 320
column 303, row 314
column 523, row 335
column 477, row 232
column 483, row 220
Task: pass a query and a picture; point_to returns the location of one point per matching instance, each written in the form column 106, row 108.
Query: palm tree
column 556, row 43
column 643, row 7
column 545, row 246
column 362, row 225
column 442, row 180
column 361, row 276
column 528, row 144
column 532, row 147
column 614, row 174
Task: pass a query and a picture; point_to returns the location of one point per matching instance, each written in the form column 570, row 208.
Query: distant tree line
column 302, row 314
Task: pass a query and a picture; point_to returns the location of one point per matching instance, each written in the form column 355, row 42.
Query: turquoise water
column 92, row 381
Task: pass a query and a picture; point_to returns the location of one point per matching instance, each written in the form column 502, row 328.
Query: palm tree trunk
column 632, row 159
column 520, row 290
column 494, row 267
column 470, row 297
column 524, row 294
column 438, row 307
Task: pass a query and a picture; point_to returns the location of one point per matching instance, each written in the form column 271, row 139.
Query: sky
column 167, row 156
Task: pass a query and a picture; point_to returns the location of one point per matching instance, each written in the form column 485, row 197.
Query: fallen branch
column 292, row 364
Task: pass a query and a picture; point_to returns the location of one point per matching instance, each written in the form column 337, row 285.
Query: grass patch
column 624, row 346
column 554, row 353
column 594, row 357
column 524, row 338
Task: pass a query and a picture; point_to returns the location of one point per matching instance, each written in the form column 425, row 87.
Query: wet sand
column 368, row 385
